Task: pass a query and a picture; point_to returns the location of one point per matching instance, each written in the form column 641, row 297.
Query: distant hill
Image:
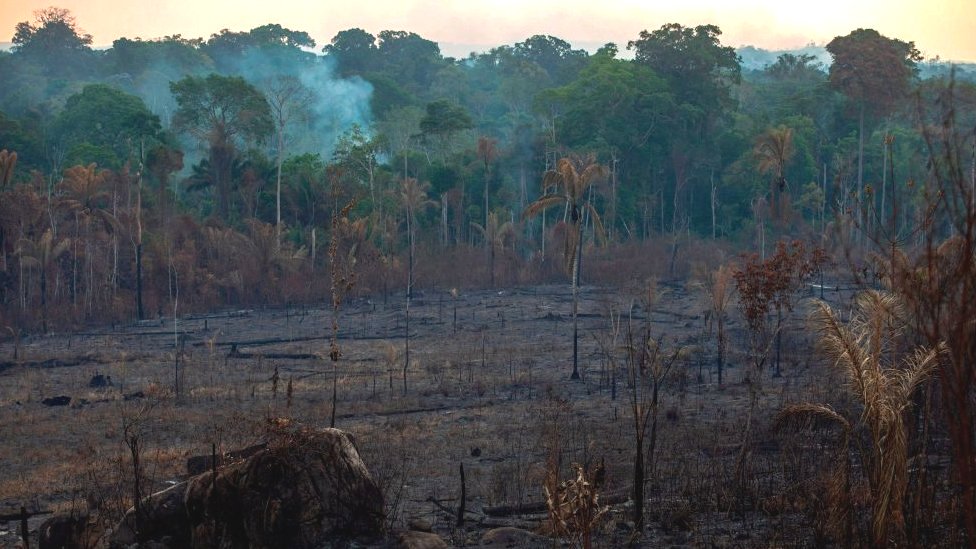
column 757, row 59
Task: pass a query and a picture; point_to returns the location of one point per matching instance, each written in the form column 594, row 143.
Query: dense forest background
column 175, row 174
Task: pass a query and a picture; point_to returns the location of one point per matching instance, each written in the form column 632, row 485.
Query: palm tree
column 84, row 196
column 884, row 386
column 413, row 198
column 496, row 234
column 773, row 150
column 42, row 253
column 572, row 178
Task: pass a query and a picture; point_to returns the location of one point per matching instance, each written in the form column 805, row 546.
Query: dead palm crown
column 773, row 151
column 572, row 179
column 496, row 234
column 882, row 382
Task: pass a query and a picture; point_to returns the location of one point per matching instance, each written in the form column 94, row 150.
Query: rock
column 61, row 400
column 514, row 537
column 164, row 521
column 419, row 525
column 420, row 540
column 68, row 531
column 204, row 464
column 306, row 487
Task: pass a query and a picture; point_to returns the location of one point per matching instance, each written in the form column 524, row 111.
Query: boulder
column 514, row 537
column 420, row 540
column 72, row 530
column 305, row 489
column 196, row 465
column 163, row 520
column 419, row 525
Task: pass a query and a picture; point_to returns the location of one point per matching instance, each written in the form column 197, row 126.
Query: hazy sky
column 939, row 27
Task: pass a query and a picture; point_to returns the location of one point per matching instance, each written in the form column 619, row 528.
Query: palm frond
column 601, row 233
column 919, row 366
column 543, row 203
column 798, row 416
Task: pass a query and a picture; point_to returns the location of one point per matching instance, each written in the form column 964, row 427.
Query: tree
column 359, row 152
column 875, row 73
column 108, row 118
column 773, row 150
column 42, row 254
column 700, row 73
column 83, row 194
column 556, row 56
column 354, row 51
column 487, row 152
column 573, row 177
column 615, row 107
column 699, row 69
column 288, row 99
column 222, row 113
column 442, row 121
column 260, row 52
column 496, row 233
column 413, row 199
column 53, row 42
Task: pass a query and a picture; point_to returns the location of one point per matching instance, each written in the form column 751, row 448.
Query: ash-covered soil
column 487, row 386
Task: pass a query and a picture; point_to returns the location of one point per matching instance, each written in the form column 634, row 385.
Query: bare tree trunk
column 577, row 259
column 281, row 146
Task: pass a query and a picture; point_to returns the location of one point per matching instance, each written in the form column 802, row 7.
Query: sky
column 943, row 28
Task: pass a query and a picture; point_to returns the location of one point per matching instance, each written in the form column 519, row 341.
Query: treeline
column 189, row 173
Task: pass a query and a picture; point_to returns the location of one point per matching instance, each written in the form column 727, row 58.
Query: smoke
column 339, row 103
column 334, row 104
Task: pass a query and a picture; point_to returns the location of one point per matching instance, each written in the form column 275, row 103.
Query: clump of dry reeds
column 882, row 381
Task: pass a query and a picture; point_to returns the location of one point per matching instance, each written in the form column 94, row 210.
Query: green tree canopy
column 354, row 51
column 54, row 42
column 222, row 113
column 104, row 117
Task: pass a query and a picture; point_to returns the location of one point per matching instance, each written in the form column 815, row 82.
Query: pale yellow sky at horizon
column 939, row 27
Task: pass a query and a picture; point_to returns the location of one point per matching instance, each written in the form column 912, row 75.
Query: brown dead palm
column 864, row 351
column 42, row 254
column 496, row 234
column 572, row 178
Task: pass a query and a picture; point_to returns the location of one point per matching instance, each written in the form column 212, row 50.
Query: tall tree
column 572, row 178
column 289, row 100
column 108, row 119
column 54, row 42
column 354, row 51
column 875, row 73
column 700, row 73
column 222, row 113
column 413, row 198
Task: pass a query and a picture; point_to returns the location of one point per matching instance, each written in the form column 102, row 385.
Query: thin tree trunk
column 860, row 167
column 281, row 145
column 577, row 259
